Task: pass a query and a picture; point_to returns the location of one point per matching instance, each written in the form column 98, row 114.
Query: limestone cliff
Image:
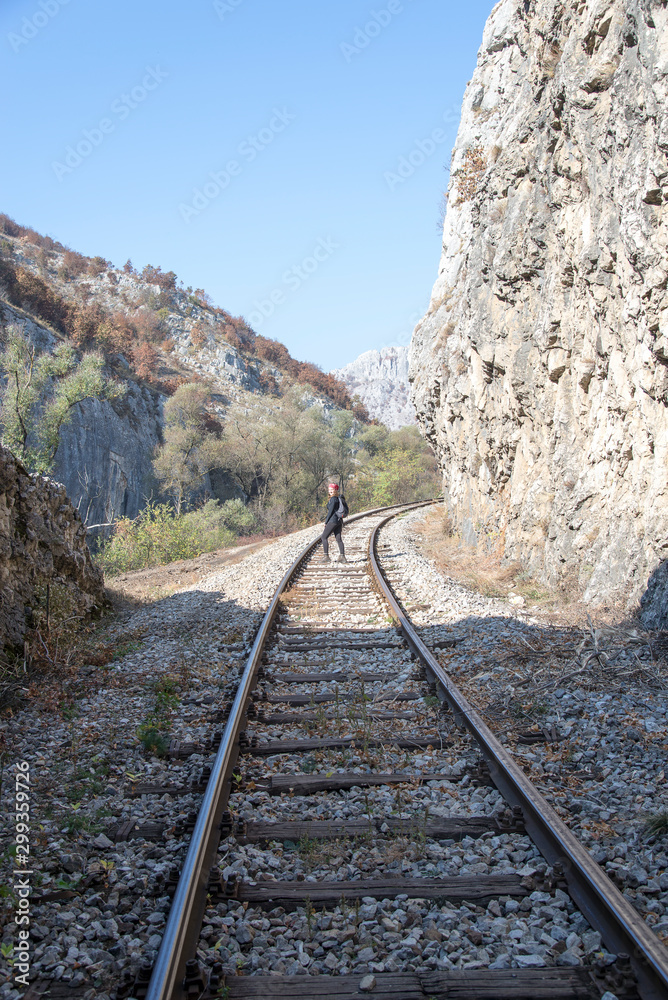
column 540, row 372
column 380, row 379
column 42, row 541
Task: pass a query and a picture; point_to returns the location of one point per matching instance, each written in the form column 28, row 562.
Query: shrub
column 74, row 263
column 159, row 535
column 32, row 236
column 198, row 336
column 97, row 266
column 236, row 516
column 148, row 325
column 145, row 358
column 156, row 276
column 152, row 738
column 116, row 332
column 360, row 411
column 84, row 323
column 9, row 227
column 233, row 338
column 272, row 351
column 25, row 289
column 244, row 332
column 471, row 173
column 269, row 384
column 169, row 386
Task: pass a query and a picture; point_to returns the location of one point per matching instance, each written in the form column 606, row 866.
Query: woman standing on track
column 337, row 509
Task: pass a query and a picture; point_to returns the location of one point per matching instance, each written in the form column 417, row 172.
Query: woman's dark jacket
column 332, row 507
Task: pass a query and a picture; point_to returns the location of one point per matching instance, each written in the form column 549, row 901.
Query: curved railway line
column 348, row 744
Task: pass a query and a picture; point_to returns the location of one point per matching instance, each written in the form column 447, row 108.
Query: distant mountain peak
column 380, row 379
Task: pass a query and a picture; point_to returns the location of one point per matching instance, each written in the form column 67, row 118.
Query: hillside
column 155, row 335
column 380, row 379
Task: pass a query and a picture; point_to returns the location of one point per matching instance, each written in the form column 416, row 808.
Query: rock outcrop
column 42, row 541
column 540, row 373
column 380, row 379
column 105, row 454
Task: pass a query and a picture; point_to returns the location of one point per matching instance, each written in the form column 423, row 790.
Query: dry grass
column 470, row 174
column 489, row 574
column 485, row 572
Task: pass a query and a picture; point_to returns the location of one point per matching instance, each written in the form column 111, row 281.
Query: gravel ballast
column 606, row 774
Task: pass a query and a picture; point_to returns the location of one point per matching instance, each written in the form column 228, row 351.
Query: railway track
column 363, row 831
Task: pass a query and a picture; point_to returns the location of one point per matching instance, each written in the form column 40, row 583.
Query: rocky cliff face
column 42, row 541
column 105, row 454
column 380, row 379
column 540, row 372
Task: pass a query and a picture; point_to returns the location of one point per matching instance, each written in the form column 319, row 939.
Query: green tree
column 249, row 447
column 342, row 457
column 189, row 451
column 398, row 468
column 374, row 439
column 39, row 393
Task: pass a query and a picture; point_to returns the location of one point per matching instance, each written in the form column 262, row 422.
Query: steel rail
column 179, row 942
column 621, row 927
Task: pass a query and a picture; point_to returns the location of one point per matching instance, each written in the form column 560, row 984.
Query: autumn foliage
column 144, row 358
column 89, row 325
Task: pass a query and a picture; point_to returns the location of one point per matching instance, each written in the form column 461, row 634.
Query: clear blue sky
column 314, row 103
